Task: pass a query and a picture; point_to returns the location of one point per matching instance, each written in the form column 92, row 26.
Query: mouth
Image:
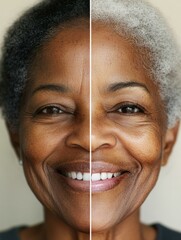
column 103, row 176
column 85, row 176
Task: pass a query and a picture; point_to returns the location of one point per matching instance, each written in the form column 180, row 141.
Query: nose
column 91, row 137
column 80, row 136
column 101, row 137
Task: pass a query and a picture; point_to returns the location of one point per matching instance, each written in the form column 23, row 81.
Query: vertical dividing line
column 90, row 119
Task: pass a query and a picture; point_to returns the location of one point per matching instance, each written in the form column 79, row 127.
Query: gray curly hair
column 148, row 29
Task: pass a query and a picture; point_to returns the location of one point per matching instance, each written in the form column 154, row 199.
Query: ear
column 14, row 138
column 170, row 139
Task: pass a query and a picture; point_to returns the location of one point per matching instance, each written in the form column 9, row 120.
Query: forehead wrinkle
column 84, row 84
column 71, row 56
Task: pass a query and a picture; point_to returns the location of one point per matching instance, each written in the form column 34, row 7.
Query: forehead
column 116, row 58
column 68, row 53
column 69, row 41
column 64, row 58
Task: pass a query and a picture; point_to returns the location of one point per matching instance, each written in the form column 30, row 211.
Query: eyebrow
column 120, row 85
column 51, row 87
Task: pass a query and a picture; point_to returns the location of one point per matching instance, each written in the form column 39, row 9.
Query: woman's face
column 128, row 128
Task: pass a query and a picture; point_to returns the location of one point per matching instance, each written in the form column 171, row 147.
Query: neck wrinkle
column 55, row 229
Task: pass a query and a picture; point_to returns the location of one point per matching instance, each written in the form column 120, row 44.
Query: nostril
column 78, row 141
column 102, row 141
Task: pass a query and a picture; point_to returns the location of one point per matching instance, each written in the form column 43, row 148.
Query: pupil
column 54, row 110
column 128, row 110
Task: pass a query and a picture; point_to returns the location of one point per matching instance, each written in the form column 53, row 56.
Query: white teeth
column 109, row 175
column 73, row 175
column 103, row 176
column 69, row 175
column 117, row 174
column 86, row 176
column 79, row 176
column 94, row 177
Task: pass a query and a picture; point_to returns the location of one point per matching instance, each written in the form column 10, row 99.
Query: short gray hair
column 148, row 29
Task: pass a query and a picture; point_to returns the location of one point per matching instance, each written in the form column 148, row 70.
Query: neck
column 131, row 228
column 54, row 229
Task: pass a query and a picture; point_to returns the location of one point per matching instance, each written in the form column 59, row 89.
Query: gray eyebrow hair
column 51, row 87
column 120, row 85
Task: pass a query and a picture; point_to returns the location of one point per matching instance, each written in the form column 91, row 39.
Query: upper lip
column 107, row 167
column 96, row 167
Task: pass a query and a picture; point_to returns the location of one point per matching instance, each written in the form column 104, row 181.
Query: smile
column 100, row 182
column 94, row 176
column 104, row 176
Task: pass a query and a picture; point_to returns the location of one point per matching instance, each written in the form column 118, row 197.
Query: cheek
column 39, row 146
column 144, row 144
column 38, row 143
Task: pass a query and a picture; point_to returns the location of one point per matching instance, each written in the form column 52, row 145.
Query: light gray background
column 17, row 203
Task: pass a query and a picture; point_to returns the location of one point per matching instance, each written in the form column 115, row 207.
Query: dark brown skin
column 132, row 134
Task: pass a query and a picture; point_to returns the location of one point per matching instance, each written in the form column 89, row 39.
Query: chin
column 78, row 220
column 81, row 226
column 107, row 213
column 98, row 226
column 104, row 220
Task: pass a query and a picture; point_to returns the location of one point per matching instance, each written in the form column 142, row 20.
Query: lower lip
column 96, row 186
column 108, row 184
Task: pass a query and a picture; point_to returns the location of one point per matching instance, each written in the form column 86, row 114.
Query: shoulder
column 11, row 234
column 165, row 233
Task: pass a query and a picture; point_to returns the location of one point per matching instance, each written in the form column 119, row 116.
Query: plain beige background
column 17, row 203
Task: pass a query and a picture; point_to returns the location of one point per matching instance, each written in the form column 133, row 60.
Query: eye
column 49, row 110
column 130, row 109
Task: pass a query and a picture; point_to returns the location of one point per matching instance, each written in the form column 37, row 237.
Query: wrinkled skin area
column 53, row 138
column 128, row 130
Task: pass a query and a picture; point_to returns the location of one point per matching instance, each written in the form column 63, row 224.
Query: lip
column 61, row 169
column 108, row 184
column 96, row 166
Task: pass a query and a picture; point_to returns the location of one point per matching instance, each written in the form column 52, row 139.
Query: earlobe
column 14, row 139
column 170, row 139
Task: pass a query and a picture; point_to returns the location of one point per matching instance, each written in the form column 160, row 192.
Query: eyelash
column 130, row 109
column 50, row 110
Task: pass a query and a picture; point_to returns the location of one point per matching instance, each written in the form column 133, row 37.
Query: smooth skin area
column 54, row 135
column 132, row 133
